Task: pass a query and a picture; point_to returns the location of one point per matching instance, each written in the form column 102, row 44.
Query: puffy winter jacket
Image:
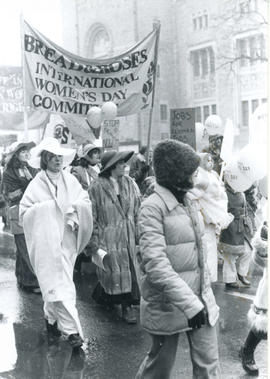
column 175, row 282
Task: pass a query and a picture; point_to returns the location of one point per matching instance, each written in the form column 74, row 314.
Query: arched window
column 99, row 44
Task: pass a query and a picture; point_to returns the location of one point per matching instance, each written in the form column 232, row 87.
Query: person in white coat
column 57, row 219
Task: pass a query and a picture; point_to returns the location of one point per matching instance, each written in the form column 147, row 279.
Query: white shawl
column 52, row 243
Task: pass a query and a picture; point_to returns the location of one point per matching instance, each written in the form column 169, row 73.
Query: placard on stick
column 110, row 135
column 183, row 125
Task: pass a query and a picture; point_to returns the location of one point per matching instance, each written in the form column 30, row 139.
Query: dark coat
column 14, row 187
column 139, row 170
column 240, row 229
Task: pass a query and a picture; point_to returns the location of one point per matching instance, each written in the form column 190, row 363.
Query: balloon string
column 222, row 171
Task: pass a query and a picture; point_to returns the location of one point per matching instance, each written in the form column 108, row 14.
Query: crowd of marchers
column 155, row 224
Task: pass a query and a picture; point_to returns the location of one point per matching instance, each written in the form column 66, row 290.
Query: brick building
column 211, row 55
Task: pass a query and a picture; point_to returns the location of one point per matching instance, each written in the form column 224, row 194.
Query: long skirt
column 23, row 269
column 130, row 298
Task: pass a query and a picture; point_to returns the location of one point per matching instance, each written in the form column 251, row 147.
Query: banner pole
column 44, row 131
column 221, row 171
column 156, row 26
column 25, row 115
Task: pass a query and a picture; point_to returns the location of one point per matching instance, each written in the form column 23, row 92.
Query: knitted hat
column 174, row 162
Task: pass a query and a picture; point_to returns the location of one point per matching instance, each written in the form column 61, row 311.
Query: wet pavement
column 113, row 350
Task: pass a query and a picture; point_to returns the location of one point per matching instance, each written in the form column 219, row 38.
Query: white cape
column 52, row 243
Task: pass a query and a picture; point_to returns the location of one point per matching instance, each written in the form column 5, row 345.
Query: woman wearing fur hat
column 116, row 203
column 57, row 220
column 88, row 168
column 257, row 314
column 175, row 284
column 16, row 177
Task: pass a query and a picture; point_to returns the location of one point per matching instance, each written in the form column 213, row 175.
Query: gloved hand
column 198, row 320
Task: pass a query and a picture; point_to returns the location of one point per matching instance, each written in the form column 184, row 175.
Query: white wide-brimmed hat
column 84, row 150
column 16, row 146
column 53, row 146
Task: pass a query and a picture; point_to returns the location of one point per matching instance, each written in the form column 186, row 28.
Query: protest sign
column 11, row 102
column 11, row 97
column 11, row 91
column 110, row 135
column 61, row 82
column 183, row 125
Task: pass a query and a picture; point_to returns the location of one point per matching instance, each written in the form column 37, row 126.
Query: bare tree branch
column 233, row 21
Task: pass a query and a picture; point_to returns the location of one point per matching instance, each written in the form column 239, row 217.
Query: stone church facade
column 212, row 55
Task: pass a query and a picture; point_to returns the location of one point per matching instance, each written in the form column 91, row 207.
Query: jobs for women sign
column 183, row 125
column 61, row 82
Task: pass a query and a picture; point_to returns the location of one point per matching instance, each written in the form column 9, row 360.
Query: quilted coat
column 175, row 283
column 115, row 231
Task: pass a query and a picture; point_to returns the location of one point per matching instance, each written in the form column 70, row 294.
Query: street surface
column 114, row 350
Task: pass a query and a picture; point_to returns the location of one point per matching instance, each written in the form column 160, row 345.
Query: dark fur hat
column 174, row 162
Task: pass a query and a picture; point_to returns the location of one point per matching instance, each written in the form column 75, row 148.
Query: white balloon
column 258, row 129
column 214, row 125
column 252, row 162
column 109, row 110
column 94, row 117
column 235, row 178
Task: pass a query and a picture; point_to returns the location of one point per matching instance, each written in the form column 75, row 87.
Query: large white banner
column 60, row 82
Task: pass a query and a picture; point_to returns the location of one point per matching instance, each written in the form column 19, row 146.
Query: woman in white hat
column 88, row 168
column 16, row 177
column 57, row 220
